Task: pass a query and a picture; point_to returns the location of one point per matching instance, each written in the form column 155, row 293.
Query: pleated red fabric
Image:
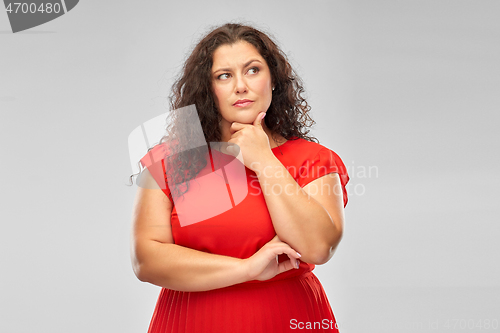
column 277, row 306
column 291, row 301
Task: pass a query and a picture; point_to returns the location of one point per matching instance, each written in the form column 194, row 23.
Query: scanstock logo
column 26, row 15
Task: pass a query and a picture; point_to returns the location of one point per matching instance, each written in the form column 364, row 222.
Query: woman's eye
column 253, row 70
column 224, row 76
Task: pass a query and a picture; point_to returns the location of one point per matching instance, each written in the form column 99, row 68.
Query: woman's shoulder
column 153, row 164
column 306, row 146
column 310, row 153
column 154, row 155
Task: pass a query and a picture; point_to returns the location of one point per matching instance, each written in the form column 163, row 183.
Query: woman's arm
column 309, row 219
column 157, row 260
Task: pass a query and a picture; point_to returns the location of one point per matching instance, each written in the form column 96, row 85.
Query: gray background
column 408, row 88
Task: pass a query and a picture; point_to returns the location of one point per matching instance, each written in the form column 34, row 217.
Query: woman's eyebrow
column 229, row 69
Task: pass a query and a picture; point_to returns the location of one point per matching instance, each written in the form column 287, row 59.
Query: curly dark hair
column 288, row 113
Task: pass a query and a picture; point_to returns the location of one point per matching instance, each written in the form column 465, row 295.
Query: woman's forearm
column 298, row 219
column 180, row 268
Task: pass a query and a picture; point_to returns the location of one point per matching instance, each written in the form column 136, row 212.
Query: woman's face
column 241, row 82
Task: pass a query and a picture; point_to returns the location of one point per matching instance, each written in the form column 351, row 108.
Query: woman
column 249, row 268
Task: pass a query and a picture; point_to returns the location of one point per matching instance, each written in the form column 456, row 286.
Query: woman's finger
column 278, row 245
column 286, row 266
column 236, row 134
column 291, row 253
column 235, row 126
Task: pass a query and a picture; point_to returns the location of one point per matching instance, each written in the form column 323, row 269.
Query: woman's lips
column 243, row 103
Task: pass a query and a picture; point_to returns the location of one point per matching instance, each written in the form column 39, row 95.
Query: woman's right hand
column 263, row 264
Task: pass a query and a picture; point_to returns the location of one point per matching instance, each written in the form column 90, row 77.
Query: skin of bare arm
column 310, row 219
column 157, row 260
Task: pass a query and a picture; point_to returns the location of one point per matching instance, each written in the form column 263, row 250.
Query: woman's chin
column 246, row 118
column 246, row 121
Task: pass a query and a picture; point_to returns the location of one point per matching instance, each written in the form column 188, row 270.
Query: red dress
column 290, row 301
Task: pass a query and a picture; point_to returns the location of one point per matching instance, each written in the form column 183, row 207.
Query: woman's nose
column 241, row 85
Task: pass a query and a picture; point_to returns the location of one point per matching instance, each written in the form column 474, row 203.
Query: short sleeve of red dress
column 154, row 161
column 325, row 162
